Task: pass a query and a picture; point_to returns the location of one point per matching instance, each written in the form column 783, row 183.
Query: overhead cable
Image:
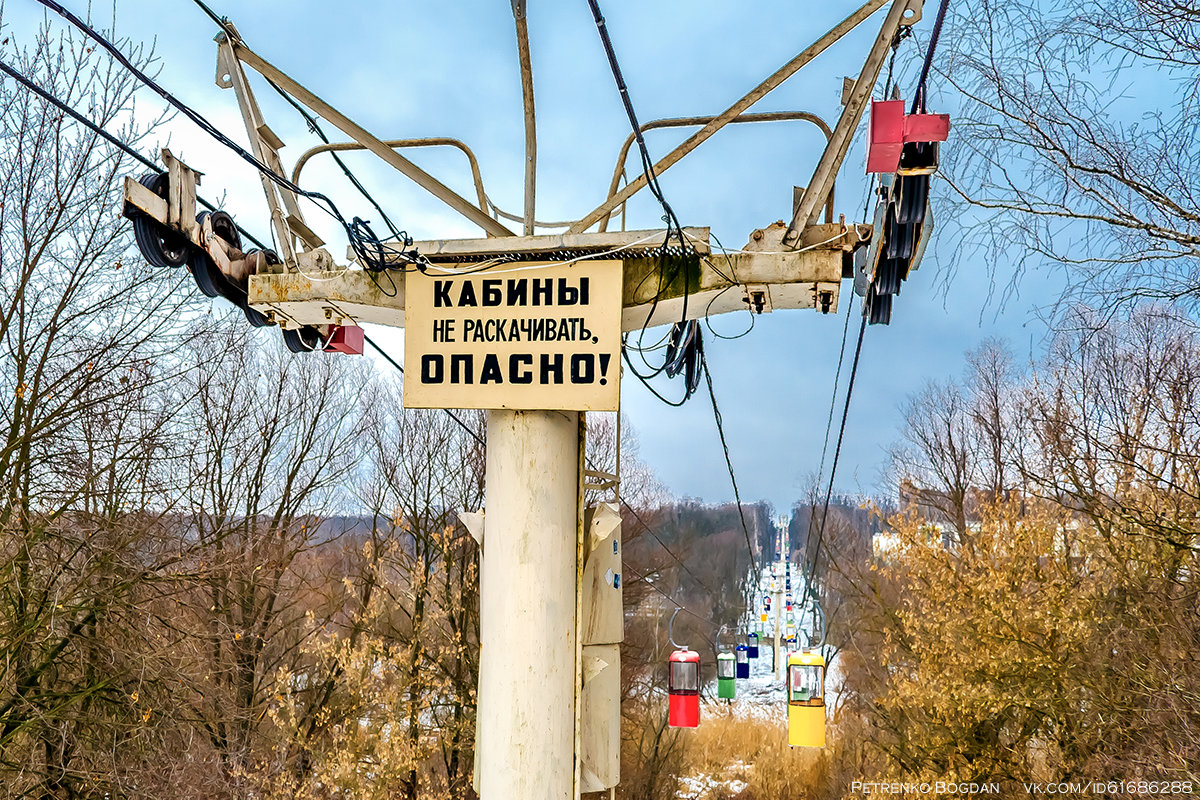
column 105, row 135
column 366, row 246
column 729, row 464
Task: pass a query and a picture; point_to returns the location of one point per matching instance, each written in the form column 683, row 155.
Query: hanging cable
column 685, row 337
column 673, row 601
column 647, row 165
column 902, row 34
column 729, row 464
column 366, row 249
column 837, row 452
column 400, row 369
column 918, row 103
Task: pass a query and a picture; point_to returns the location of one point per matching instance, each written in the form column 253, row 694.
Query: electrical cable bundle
column 684, row 345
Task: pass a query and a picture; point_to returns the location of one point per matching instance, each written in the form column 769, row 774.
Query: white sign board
column 521, row 336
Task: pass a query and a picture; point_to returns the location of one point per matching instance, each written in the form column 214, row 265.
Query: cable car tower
column 546, row 310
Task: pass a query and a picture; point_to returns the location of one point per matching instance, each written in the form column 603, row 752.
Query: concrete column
column 527, row 668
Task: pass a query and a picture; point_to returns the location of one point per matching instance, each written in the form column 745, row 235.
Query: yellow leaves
column 21, row 390
column 133, row 696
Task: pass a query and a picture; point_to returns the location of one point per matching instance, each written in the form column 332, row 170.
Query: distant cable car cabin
column 726, row 685
column 683, row 689
column 743, row 661
column 806, row 699
column 752, row 644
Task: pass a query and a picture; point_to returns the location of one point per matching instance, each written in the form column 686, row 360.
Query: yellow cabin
column 806, row 699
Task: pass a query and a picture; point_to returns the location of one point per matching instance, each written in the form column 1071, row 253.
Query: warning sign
column 522, row 336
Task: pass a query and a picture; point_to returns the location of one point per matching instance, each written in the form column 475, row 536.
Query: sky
column 411, row 69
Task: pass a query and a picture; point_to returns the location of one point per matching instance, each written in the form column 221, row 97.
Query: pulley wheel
column 207, row 276
column 159, row 245
column 910, row 199
column 887, row 278
column 877, row 307
column 257, row 318
column 302, row 340
column 898, row 239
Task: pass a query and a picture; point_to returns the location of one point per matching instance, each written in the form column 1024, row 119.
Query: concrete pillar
column 527, row 663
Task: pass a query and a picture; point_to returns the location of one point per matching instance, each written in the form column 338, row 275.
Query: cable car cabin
column 806, row 699
column 683, row 689
column 743, row 661
column 752, row 644
column 726, row 685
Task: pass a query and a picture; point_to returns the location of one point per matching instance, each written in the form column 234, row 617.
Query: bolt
column 329, row 313
column 757, row 236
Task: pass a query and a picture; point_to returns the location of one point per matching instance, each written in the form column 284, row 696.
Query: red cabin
column 683, row 689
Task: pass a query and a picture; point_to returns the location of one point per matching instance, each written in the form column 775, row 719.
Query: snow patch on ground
column 730, row 783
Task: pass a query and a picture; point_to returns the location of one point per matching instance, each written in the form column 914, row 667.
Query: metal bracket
column 473, row 522
column 603, row 480
column 605, row 520
column 181, row 194
column 757, row 297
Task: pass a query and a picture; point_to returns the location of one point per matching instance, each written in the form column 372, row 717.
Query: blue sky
column 450, row 69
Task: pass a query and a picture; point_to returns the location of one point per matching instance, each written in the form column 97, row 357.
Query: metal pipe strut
column 752, row 97
column 339, row 120
column 683, row 122
column 518, row 7
column 433, row 141
column 901, row 12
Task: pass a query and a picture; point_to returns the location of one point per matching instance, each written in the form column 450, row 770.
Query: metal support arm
column 756, row 94
column 902, row 12
column 339, row 120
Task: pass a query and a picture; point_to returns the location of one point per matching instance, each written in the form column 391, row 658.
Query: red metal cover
column 346, row 339
column 885, row 135
column 888, row 128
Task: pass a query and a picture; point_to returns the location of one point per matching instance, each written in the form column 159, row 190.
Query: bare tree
column 88, row 336
column 1076, row 143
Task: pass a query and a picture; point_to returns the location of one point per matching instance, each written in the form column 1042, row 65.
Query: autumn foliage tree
column 1051, row 636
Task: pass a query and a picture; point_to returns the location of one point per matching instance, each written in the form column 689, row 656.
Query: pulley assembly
column 209, row 244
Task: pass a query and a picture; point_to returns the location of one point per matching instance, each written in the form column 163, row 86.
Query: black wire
column 837, row 451
column 360, row 246
column 670, row 552
column 452, row 415
column 837, row 377
column 918, row 103
column 316, row 129
column 670, row 366
column 729, row 464
column 902, row 34
column 674, row 602
column 313, row 126
column 106, row 136
column 647, row 165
